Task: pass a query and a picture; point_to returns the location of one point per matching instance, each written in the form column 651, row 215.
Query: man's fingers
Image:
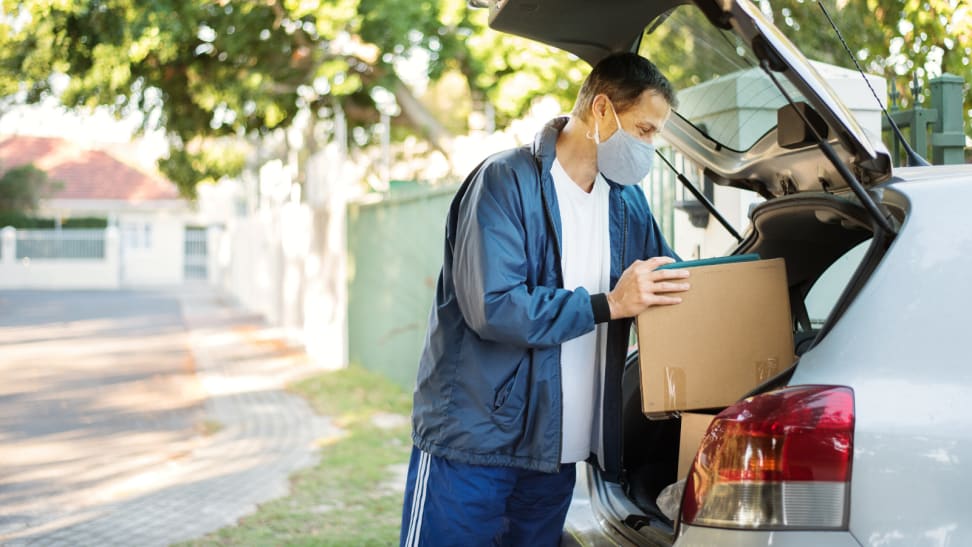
column 657, row 261
column 662, row 275
column 662, row 300
column 666, row 287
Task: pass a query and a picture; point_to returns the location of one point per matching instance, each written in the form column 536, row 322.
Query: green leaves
column 204, row 163
column 205, row 70
column 894, row 38
column 21, row 189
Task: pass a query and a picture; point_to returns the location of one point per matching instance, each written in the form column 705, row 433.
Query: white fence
column 60, row 244
column 59, row 258
column 166, row 254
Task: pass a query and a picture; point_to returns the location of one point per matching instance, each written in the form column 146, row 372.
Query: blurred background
column 301, row 154
column 297, row 157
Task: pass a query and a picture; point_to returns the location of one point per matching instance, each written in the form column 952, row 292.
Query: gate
column 196, row 256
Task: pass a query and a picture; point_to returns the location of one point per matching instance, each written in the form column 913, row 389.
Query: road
column 97, row 387
column 142, row 417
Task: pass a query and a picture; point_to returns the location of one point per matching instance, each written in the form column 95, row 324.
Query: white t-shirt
column 586, row 262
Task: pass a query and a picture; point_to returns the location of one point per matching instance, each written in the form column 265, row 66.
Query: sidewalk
column 260, row 434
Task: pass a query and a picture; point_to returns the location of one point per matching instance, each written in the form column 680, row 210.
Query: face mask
column 623, row 158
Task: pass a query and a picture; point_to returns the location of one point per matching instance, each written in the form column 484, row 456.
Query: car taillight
column 780, row 460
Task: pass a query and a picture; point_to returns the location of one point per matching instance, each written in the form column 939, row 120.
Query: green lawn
column 349, row 497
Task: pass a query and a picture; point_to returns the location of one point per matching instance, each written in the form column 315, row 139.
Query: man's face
column 644, row 120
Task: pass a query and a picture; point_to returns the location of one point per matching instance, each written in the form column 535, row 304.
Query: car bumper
column 693, row 536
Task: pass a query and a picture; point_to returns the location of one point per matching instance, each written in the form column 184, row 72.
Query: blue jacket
column 488, row 388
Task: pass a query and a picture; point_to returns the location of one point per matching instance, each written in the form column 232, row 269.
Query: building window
column 138, row 235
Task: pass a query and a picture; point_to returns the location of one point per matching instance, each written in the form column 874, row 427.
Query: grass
column 348, row 498
column 208, row 427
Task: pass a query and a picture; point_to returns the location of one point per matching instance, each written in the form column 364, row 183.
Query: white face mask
column 623, row 158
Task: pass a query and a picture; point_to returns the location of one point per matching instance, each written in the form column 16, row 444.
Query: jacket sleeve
column 490, row 265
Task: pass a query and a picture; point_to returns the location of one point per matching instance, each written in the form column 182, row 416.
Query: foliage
column 22, row 188
column 891, row 38
column 898, row 39
column 18, row 220
column 508, row 71
column 207, row 162
column 23, row 221
column 205, row 70
column 209, row 70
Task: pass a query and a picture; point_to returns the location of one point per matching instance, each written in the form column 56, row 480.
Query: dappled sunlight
column 181, row 413
column 253, row 359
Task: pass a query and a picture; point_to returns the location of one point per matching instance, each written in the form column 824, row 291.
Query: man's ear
column 599, row 106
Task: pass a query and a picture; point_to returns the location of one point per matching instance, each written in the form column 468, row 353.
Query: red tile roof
column 84, row 173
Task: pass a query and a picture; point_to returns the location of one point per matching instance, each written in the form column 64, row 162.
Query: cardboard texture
column 731, row 332
column 694, row 426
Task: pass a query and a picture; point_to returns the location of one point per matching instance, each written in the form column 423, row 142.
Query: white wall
column 252, row 267
column 288, row 262
column 144, row 250
column 152, row 249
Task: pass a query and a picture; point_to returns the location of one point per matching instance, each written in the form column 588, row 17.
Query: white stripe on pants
column 418, row 500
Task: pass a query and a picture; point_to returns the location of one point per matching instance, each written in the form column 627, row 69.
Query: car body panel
column 901, row 346
column 586, row 525
column 590, row 30
column 700, row 536
column 749, row 22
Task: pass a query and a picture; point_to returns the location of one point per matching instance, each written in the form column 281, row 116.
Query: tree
column 892, row 38
column 897, row 39
column 22, row 188
column 208, row 71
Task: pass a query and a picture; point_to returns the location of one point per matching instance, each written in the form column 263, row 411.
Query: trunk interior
column 830, row 250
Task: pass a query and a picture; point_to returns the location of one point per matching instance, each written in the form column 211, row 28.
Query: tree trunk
column 421, row 119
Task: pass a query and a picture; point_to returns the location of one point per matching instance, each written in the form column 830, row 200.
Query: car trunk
column 825, row 240
column 804, row 152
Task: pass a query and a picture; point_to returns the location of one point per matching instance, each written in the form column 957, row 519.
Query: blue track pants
column 449, row 503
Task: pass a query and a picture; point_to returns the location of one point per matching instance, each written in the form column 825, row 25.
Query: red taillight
column 774, row 461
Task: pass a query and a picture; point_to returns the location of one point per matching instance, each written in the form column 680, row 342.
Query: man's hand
column 643, row 285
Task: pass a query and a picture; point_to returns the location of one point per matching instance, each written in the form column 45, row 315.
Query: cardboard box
column 694, row 426
column 732, row 331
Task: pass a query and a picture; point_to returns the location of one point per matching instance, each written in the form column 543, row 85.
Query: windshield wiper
column 701, row 197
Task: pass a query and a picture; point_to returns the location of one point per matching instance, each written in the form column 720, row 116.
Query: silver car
column 867, row 439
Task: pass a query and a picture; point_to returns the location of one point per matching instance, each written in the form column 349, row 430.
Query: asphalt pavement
column 143, row 417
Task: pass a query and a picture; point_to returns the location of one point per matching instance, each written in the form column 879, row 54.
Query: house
column 157, row 233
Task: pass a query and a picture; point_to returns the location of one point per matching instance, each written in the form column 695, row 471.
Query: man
column 543, row 250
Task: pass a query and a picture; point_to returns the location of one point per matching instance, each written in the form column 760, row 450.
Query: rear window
column 721, row 89
column 829, row 286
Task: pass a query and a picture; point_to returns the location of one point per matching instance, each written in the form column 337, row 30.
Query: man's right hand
column 643, row 285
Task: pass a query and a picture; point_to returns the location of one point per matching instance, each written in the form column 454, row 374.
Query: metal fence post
column 948, row 136
column 112, row 255
column 8, row 245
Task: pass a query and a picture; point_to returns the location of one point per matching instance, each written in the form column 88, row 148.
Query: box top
column 710, row 261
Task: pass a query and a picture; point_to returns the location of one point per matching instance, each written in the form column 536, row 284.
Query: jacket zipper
column 607, row 390
column 624, row 235
column 552, row 226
